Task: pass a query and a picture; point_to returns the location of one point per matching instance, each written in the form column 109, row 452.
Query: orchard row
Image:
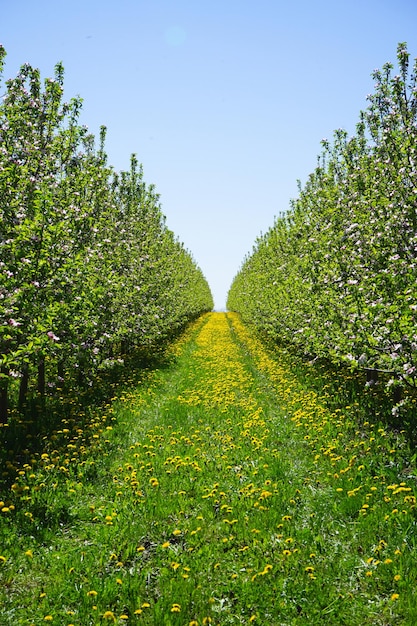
column 89, row 269
column 336, row 276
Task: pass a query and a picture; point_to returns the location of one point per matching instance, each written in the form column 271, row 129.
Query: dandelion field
column 216, row 489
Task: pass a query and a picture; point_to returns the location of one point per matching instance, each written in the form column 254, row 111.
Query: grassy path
column 217, row 491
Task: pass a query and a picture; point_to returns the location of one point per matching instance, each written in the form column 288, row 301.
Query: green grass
column 218, row 489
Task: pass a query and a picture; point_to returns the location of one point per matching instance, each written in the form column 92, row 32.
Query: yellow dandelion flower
column 109, row 615
column 92, row 593
column 48, row 618
column 166, row 544
column 397, row 577
column 176, row 608
column 395, row 596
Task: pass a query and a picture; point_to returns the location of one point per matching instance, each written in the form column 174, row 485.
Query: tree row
column 89, row 270
column 336, row 275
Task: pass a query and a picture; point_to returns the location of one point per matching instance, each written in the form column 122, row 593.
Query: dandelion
column 176, row 608
column 109, row 615
column 395, row 596
column 92, row 593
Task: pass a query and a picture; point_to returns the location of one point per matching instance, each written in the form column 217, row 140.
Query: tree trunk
column 4, row 400
column 23, row 388
column 41, row 377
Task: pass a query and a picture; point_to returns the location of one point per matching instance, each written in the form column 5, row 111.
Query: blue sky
column 224, row 102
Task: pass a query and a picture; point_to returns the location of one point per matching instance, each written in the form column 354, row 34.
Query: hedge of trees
column 336, row 276
column 89, row 270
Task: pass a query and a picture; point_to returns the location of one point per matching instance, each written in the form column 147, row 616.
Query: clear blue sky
column 224, row 102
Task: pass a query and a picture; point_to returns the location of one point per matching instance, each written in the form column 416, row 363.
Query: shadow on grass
column 375, row 399
column 42, row 418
